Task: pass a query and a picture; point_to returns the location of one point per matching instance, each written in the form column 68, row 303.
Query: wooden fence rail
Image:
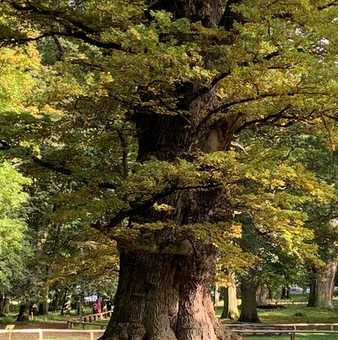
column 286, row 326
column 84, row 325
column 281, row 332
column 98, row 316
column 89, row 319
column 247, row 329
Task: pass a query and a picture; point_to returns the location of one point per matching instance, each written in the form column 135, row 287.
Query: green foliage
column 13, row 247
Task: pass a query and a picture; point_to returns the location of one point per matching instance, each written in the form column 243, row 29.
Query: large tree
column 137, row 103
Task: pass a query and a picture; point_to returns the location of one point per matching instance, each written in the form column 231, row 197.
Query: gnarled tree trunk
column 164, row 297
column 322, row 286
column 163, row 291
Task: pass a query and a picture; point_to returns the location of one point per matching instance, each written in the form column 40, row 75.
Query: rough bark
column 249, row 304
column 165, row 275
column 164, row 297
column 230, row 310
column 322, row 286
column 210, row 12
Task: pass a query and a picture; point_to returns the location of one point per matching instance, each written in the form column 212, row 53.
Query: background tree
column 13, row 243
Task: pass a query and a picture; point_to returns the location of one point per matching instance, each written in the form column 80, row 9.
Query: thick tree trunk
column 249, row 304
column 164, row 297
column 322, row 286
column 230, row 310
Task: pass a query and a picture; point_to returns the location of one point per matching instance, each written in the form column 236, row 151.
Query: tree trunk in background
column 322, row 286
column 312, row 293
column 230, row 310
column 64, row 302
column 22, row 313
column 249, row 304
column 270, row 294
column 262, row 295
column 44, row 304
column 216, row 295
column 4, row 304
column 55, row 302
column 285, row 293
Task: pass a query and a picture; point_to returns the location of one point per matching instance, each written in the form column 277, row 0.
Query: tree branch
column 330, row 4
column 73, row 27
column 137, row 207
column 52, row 166
column 261, row 121
column 76, row 35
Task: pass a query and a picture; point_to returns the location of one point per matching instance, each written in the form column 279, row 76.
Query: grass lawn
column 299, row 314
column 52, row 316
column 296, row 313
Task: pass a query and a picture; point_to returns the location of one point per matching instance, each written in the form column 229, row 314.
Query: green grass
column 299, row 314
column 287, row 315
column 296, row 313
column 52, row 316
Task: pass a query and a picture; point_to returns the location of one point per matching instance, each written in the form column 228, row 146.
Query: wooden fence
column 283, row 329
column 89, row 319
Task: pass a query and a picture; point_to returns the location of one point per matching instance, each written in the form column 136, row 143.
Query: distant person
column 99, row 306
column 94, row 308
